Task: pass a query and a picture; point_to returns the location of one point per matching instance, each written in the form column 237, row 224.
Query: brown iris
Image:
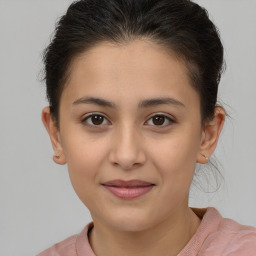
column 97, row 119
column 158, row 120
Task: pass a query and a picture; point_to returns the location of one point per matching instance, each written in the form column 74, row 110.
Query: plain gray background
column 38, row 206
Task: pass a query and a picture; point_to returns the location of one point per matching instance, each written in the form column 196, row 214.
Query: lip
column 128, row 189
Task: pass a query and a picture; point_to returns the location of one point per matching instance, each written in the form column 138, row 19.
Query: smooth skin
column 133, row 136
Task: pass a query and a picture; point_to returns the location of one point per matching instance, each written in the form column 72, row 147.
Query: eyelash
column 167, row 118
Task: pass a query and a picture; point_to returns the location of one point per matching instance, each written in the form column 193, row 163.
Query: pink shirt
column 216, row 236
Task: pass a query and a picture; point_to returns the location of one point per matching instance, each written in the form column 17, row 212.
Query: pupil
column 96, row 119
column 158, row 120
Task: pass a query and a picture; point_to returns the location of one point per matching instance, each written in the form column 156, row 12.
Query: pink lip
column 128, row 189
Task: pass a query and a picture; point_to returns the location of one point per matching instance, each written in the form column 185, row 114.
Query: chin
column 130, row 221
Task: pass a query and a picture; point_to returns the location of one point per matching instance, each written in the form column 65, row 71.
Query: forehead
column 137, row 68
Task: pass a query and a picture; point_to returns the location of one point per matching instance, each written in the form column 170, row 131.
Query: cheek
column 84, row 157
column 82, row 151
column 175, row 161
column 175, row 156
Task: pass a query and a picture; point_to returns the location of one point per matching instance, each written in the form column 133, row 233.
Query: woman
column 132, row 88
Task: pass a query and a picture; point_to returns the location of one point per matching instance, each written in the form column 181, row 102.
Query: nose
column 127, row 148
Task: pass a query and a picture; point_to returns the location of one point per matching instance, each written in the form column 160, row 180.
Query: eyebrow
column 143, row 104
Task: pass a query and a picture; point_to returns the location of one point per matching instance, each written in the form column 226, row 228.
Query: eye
column 160, row 120
column 95, row 120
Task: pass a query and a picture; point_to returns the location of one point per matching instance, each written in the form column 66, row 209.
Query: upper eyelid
column 94, row 113
column 161, row 114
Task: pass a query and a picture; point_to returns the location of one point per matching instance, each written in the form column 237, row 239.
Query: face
column 129, row 113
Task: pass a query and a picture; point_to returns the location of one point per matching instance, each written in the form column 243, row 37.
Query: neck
column 166, row 238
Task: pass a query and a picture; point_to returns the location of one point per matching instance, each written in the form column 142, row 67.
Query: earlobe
column 53, row 132
column 210, row 135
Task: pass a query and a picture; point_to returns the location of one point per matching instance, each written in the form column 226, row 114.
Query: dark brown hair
column 180, row 25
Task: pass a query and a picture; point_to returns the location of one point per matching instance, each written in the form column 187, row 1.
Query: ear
column 53, row 131
column 210, row 135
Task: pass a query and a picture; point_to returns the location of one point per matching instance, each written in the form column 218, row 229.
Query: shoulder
column 66, row 247
column 72, row 246
column 230, row 238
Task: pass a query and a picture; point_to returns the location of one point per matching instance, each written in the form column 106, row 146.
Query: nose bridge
column 127, row 150
column 128, row 138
